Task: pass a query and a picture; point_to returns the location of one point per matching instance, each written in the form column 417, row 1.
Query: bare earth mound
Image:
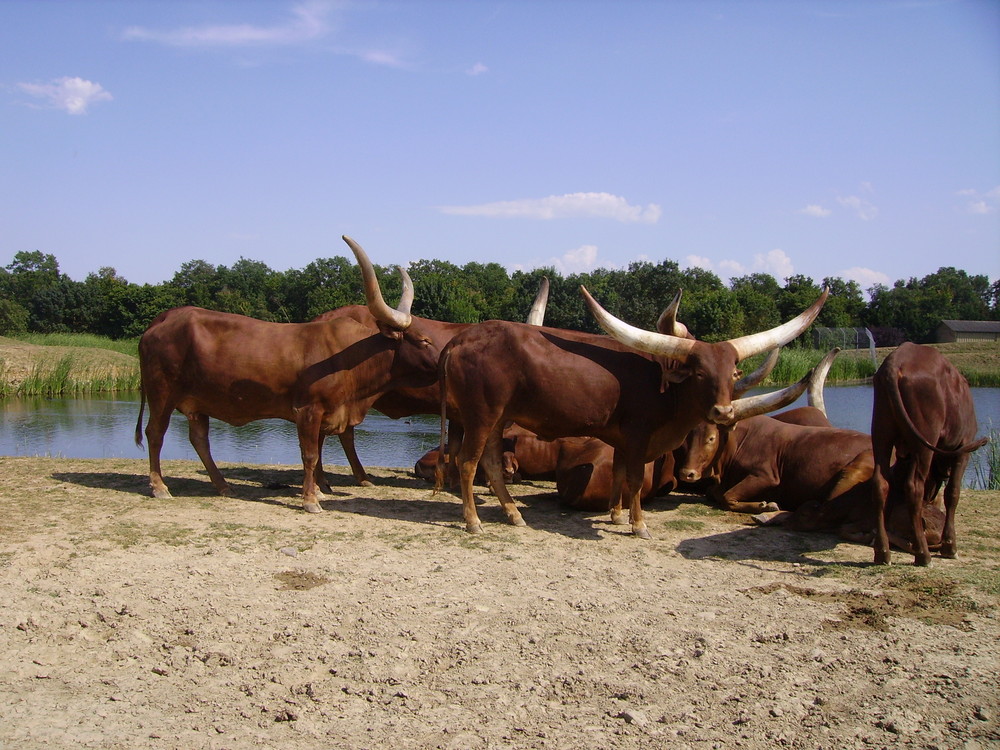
column 207, row 622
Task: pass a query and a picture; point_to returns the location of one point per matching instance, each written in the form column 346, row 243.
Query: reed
column 986, row 463
column 68, row 375
column 793, row 365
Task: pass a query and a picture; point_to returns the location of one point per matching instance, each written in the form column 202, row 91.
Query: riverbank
column 33, row 369
column 204, row 621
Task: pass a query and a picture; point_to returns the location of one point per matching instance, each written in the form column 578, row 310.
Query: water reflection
column 103, row 426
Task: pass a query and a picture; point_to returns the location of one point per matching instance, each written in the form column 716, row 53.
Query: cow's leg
column 347, row 443
column 156, row 427
column 952, row 490
column 633, row 479
column 307, row 423
column 880, row 497
column 198, row 435
column 734, row 499
column 322, row 484
column 492, row 463
column 618, row 488
column 913, row 488
column 466, row 461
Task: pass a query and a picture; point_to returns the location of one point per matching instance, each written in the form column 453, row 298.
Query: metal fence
column 845, row 338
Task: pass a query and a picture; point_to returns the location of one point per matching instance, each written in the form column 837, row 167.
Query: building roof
column 973, row 326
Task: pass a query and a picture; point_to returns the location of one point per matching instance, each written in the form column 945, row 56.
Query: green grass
column 69, row 374
column 85, row 340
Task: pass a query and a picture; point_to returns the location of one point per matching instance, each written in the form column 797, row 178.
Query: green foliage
column 986, row 463
column 36, row 297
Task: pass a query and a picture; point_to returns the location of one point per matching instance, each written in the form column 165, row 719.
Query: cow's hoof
column 618, row 519
column 163, row 494
column 770, row 507
column 517, row 521
column 949, row 553
column 772, row 518
column 474, row 528
column 312, row 507
column 365, row 483
column 642, row 533
column 226, row 491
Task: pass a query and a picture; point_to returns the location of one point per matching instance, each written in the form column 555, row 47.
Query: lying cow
column 924, row 414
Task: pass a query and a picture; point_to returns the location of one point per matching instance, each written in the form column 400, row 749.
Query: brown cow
column 323, row 376
column 923, row 411
column 411, row 400
column 640, row 392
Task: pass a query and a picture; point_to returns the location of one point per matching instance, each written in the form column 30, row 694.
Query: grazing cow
column 922, row 411
column 640, row 392
column 323, row 376
column 426, row 399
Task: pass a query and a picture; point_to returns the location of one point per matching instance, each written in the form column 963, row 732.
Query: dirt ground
column 209, row 622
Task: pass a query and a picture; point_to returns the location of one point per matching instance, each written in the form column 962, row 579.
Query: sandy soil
column 207, row 622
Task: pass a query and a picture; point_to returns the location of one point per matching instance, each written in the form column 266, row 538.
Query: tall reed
column 795, row 363
column 69, row 376
column 986, row 463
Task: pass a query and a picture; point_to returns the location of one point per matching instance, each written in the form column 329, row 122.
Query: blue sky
column 850, row 139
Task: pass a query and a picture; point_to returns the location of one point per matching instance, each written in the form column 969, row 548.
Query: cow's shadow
column 761, row 544
column 282, row 486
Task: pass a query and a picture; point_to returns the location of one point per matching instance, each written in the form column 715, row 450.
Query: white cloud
column 865, row 210
column 74, row 95
column 865, row 277
column 982, row 203
column 815, row 211
column 572, row 205
column 477, row 69
column 579, row 260
column 308, row 22
column 774, row 262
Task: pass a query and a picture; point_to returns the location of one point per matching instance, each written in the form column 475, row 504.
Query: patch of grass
column 84, row 340
column 986, row 463
column 681, row 524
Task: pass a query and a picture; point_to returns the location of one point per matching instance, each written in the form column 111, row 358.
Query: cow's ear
column 389, row 332
column 676, row 373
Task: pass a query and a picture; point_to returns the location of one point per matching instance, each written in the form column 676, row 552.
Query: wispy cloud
column 864, row 210
column 477, row 70
column 572, row 205
column 816, row 211
column 774, row 262
column 866, row 277
column 578, row 260
column 308, row 21
column 74, row 95
column 981, row 203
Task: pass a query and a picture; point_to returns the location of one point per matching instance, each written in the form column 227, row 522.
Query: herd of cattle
column 613, row 419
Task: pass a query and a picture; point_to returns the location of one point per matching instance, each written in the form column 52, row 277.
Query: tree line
column 36, row 297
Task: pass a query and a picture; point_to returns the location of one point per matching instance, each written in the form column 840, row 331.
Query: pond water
column 103, row 427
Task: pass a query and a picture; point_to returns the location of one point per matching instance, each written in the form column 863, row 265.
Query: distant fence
column 845, row 338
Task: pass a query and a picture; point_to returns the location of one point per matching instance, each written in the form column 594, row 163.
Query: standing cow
column 641, row 392
column 323, row 376
column 922, row 411
column 409, row 400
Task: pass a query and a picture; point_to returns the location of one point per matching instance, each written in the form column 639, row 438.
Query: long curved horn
column 668, row 324
column 756, row 377
column 752, row 406
column 536, row 316
column 755, row 343
column 376, row 304
column 406, row 298
column 646, row 341
column 815, row 392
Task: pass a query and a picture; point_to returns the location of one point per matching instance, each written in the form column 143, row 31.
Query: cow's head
column 698, row 455
column 709, row 372
column 417, row 353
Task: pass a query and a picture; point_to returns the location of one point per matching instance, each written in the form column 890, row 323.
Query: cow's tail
column 899, row 408
column 142, row 408
column 439, row 467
